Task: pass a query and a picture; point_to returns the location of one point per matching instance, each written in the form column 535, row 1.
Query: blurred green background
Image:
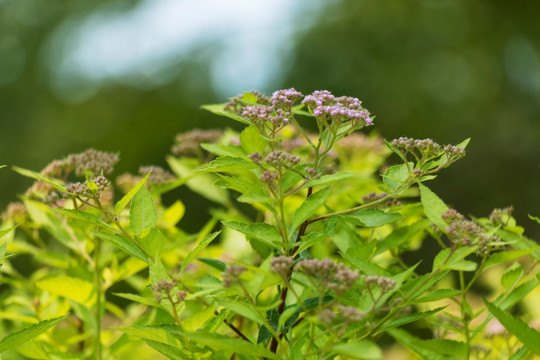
column 128, row 75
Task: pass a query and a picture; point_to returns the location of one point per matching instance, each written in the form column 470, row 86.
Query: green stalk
column 99, row 295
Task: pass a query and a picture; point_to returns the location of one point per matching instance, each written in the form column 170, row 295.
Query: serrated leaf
column 309, row 206
column 266, row 233
column 511, row 275
column 227, row 164
column 438, row 295
column 395, row 176
column 400, row 236
column 433, row 206
column 195, row 252
column 22, row 336
column 504, row 256
column 329, row 179
column 68, row 287
column 83, row 216
column 143, row 212
column 409, row 318
column 219, row 109
column 359, row 349
column 246, row 310
column 252, row 141
column 122, row 203
column 517, row 327
column 371, row 218
column 200, row 183
column 123, row 243
column 37, row 176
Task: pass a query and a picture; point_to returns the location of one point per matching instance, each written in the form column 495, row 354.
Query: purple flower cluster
column 282, row 265
column 231, row 275
column 79, row 189
column 257, row 114
column 189, row 143
column 236, row 105
column 165, row 287
column 279, row 158
column 93, row 161
column 159, row 176
column 323, row 103
column 463, row 232
column 284, row 99
column 501, row 216
column 384, row 283
column 332, row 276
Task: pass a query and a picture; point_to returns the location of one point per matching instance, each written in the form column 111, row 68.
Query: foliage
column 306, row 255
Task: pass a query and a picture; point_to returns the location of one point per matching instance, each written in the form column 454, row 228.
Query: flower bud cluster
column 236, row 106
column 486, row 244
column 231, row 275
column 82, row 190
column 57, row 169
column 426, row 146
column 159, row 176
column 260, row 114
column 451, row 216
column 269, row 177
column 373, row 196
column 279, row 158
column 332, row 276
column 165, row 287
column 189, row 143
column 255, row 157
column 93, row 161
column 15, row 211
column 284, row 99
column 501, row 216
column 282, row 265
column 324, row 104
column 311, row 173
column 384, row 283
column 345, row 314
column 463, row 232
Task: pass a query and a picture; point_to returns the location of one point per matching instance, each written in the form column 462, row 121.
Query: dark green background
column 444, row 69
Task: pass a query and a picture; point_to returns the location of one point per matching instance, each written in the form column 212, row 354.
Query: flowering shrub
column 307, row 255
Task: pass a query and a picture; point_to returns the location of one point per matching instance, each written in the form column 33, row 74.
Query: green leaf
column 520, row 354
column 395, row 176
column 122, row 203
column 252, row 140
column 246, row 310
column 224, row 150
column 461, row 265
column 195, row 252
column 511, row 275
column 227, row 164
column 200, row 183
column 517, row 327
column 409, row 319
column 266, row 233
column 371, row 218
column 7, row 231
column 216, row 264
column 504, row 256
column 143, row 212
column 218, row 109
column 2, row 166
column 309, row 206
column 152, row 243
column 433, row 206
column 329, row 179
column 438, row 295
column 252, row 192
column 366, row 266
column 394, row 150
column 22, row 336
column 400, row 236
column 68, row 287
column 37, row 176
column 439, row 349
column 123, row 243
column 170, row 351
column 83, row 216
column 359, row 349
column 138, row 299
column 535, row 218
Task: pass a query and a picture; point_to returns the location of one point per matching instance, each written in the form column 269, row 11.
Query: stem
column 99, row 295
